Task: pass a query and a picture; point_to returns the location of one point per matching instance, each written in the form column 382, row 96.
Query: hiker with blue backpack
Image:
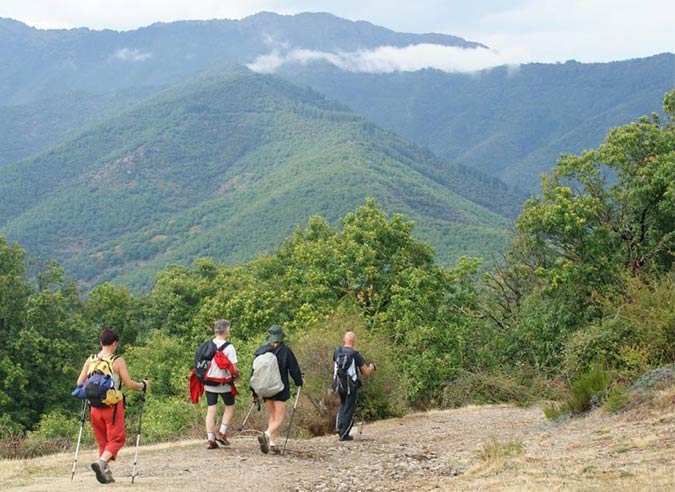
column 347, row 364
column 100, row 382
column 216, row 368
column 273, row 363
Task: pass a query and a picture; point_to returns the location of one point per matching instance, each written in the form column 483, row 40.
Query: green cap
column 275, row 334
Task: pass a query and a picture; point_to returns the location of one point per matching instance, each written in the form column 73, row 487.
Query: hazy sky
column 519, row 30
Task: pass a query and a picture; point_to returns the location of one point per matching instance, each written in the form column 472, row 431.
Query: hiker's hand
column 146, row 385
column 373, row 367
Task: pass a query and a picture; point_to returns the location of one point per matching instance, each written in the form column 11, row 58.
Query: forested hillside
column 226, row 165
column 581, row 307
column 31, row 128
column 511, row 123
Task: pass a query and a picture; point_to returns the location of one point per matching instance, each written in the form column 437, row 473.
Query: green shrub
column 594, row 381
column 617, row 398
column 520, row 385
column 166, row 419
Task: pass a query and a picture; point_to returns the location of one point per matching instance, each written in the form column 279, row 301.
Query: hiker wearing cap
column 214, row 389
column 348, row 363
column 107, row 420
column 276, row 404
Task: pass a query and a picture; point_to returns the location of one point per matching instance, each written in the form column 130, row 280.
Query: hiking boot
column 222, row 438
column 264, row 443
column 347, row 438
column 108, row 475
column 99, row 468
column 274, row 449
column 211, row 444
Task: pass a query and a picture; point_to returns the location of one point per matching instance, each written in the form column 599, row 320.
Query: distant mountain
column 508, row 123
column 226, row 165
column 40, row 63
column 511, row 123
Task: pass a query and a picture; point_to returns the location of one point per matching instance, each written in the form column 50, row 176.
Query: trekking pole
column 138, row 435
column 241, row 427
column 79, row 438
column 290, row 424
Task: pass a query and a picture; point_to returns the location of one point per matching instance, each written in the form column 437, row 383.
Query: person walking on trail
column 347, row 364
column 276, row 404
column 226, row 391
column 107, row 421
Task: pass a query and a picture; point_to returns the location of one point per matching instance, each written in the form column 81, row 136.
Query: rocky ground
column 472, row 448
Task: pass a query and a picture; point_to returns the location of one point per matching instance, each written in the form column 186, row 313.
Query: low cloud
column 127, row 55
column 386, row 59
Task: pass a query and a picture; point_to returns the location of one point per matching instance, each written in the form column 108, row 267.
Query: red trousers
column 109, row 435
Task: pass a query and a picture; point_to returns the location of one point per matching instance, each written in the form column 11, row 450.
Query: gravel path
column 472, row 448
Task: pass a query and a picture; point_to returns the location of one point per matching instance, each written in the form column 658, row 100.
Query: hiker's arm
column 367, row 369
column 121, row 366
column 83, row 373
column 294, row 369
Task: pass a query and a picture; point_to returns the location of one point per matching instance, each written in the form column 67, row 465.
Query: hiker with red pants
column 107, row 421
column 276, row 404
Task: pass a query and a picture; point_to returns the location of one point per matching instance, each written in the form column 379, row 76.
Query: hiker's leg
column 211, row 412
column 271, row 410
column 117, row 434
column 98, row 426
column 277, row 421
column 228, row 413
column 210, row 420
column 221, row 435
column 348, row 414
column 340, row 418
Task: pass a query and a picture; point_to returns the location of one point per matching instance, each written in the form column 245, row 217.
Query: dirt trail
column 472, row 448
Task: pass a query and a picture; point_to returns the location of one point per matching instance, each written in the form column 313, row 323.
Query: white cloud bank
column 128, row 55
column 386, row 59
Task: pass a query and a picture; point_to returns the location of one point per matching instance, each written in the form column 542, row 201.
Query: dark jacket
column 288, row 364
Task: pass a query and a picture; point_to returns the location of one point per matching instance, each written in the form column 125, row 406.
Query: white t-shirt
column 231, row 354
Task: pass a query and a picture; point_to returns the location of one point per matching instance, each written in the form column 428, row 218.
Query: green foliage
column 165, row 360
column 593, row 382
column 618, row 398
column 166, row 419
column 114, row 307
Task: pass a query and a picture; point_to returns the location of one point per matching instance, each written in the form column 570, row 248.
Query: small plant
column 495, row 450
column 617, row 399
column 596, row 380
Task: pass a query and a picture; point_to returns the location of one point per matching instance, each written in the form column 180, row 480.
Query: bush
column 589, row 389
column 166, row 419
column 520, row 385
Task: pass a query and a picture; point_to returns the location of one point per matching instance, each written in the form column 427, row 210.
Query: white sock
column 223, row 428
column 211, row 436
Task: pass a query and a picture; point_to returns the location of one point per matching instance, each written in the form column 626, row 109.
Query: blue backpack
column 99, row 387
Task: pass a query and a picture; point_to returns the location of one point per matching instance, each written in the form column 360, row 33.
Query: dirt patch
column 478, row 448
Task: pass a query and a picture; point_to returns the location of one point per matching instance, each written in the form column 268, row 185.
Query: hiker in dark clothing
column 276, row 404
column 348, row 390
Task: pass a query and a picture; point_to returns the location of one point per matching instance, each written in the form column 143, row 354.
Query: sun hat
column 275, row 334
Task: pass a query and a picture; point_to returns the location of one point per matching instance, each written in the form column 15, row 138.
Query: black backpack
column 345, row 377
